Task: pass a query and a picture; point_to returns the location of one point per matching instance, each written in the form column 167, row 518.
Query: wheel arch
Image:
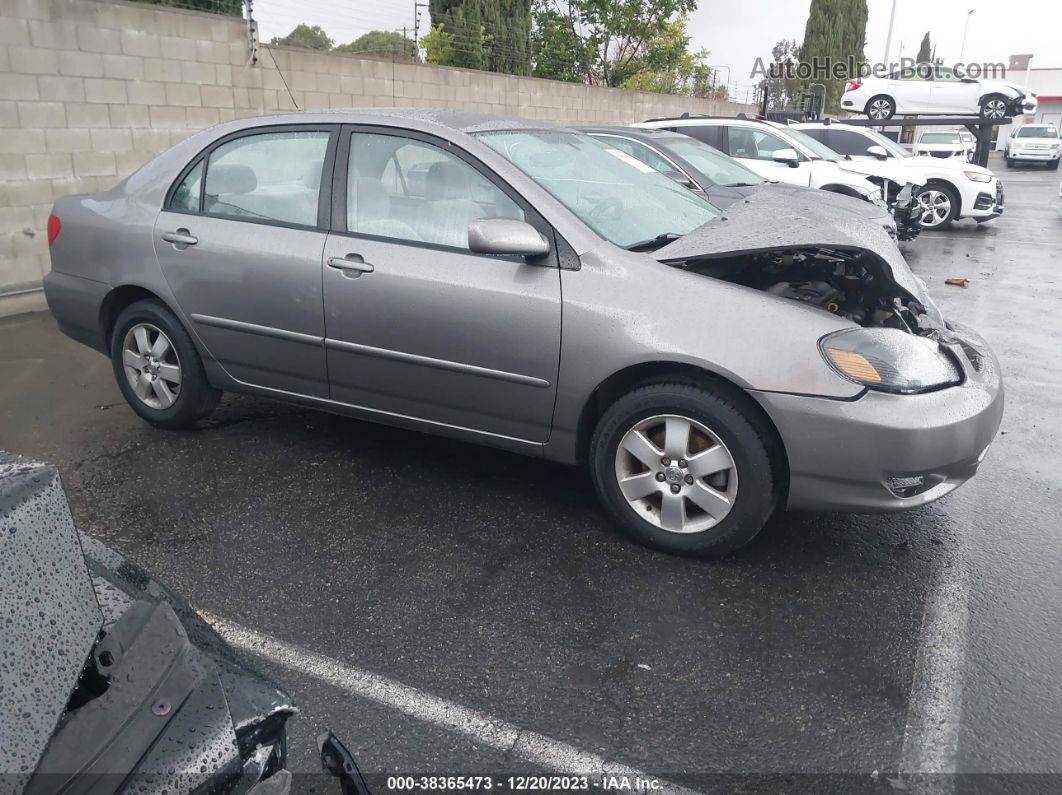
column 939, row 182
column 882, row 95
column 117, row 300
column 623, row 381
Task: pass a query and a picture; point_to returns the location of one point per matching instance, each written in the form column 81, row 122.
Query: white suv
column 1034, row 143
column 954, row 188
column 784, row 153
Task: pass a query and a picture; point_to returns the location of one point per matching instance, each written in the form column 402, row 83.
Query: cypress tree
column 836, row 30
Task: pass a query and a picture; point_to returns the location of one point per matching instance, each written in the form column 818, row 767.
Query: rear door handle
column 353, row 263
column 181, row 237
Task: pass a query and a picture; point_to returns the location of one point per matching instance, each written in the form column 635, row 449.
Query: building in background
column 1046, row 83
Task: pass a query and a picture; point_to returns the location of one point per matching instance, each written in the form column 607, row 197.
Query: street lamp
column 962, row 49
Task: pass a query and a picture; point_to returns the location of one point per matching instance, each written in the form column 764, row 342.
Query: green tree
column 668, row 67
column 311, row 38
column 494, row 35
column 836, row 30
column 461, row 41
column 557, row 52
column 379, row 42
column 614, row 37
column 784, row 87
column 925, row 50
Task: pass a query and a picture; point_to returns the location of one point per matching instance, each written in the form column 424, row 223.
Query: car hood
column 66, row 707
column 772, row 220
column 827, row 202
column 883, row 168
column 929, row 165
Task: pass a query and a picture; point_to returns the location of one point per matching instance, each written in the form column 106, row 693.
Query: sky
column 736, row 32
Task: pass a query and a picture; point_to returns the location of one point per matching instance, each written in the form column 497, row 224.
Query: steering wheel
column 606, row 210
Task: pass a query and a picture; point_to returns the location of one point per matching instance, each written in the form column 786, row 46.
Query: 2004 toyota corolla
column 515, row 284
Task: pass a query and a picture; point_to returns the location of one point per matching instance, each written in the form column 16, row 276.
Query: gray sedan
column 515, row 284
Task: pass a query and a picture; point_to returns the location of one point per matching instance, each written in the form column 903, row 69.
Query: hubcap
column 936, row 207
column 676, row 474
column 151, row 366
column 995, row 109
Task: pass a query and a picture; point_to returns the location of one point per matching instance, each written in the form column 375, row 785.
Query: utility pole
column 416, row 29
column 888, row 38
column 252, row 33
column 965, row 30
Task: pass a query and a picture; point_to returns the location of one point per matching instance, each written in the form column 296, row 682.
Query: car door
column 952, row 94
column 416, row 324
column 912, row 90
column 240, row 241
column 755, row 148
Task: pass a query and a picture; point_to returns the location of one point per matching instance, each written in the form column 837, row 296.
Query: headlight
column 889, row 360
column 977, row 177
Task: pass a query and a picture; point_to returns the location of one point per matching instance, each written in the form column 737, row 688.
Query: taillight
column 53, row 229
column 853, row 85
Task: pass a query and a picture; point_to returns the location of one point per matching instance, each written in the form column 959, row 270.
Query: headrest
column 446, row 180
column 230, row 178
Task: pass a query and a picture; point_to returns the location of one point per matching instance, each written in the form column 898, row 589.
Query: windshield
column 1037, row 132
column 940, row 138
column 818, row 148
column 888, row 143
column 623, row 203
column 719, row 168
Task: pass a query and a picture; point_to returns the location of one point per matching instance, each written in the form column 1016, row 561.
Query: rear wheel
column 684, row 469
column 994, row 106
column 880, row 107
column 158, row 368
column 939, row 206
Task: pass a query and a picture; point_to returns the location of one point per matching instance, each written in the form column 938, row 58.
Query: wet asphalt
column 495, row 581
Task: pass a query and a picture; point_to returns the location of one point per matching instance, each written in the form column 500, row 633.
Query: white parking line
column 528, row 746
column 934, row 710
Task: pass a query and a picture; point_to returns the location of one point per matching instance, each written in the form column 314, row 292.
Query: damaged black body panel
column 111, row 683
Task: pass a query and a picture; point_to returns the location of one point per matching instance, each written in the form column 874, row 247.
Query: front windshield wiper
column 742, row 184
column 654, row 242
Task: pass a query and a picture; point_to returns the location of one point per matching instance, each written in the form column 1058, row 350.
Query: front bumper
column 986, row 205
column 1036, row 156
column 884, row 452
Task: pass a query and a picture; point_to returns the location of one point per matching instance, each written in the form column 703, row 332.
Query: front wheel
column 939, row 205
column 880, row 108
column 684, row 469
column 1053, row 165
column 994, row 106
column 158, row 368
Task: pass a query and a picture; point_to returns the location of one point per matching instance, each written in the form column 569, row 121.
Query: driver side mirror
column 878, row 151
column 787, row 156
column 506, row 237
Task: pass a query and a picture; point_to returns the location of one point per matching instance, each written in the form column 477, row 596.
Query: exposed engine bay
column 849, row 284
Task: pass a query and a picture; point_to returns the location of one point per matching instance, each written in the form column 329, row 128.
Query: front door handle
column 353, row 264
column 182, row 237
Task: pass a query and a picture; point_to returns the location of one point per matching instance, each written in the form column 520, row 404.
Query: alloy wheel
column 676, row 473
column 880, row 109
column 995, row 109
column 151, row 366
column 936, row 207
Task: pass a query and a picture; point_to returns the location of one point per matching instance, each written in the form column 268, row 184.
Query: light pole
column 714, row 67
column 416, row 29
column 888, row 38
column 962, row 49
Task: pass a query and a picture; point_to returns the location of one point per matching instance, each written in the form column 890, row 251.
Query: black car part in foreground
column 111, row 683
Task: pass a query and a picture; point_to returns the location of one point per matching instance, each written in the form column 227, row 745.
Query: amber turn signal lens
column 854, row 365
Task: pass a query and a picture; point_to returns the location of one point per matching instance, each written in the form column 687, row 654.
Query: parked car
column 710, row 367
column 723, row 180
column 928, row 89
column 113, row 683
column 780, row 152
column 1034, row 143
column 942, row 144
column 954, row 188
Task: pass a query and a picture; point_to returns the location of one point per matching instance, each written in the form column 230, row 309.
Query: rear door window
column 267, row 176
column 709, row 134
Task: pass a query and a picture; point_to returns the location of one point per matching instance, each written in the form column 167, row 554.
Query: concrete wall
column 90, row 90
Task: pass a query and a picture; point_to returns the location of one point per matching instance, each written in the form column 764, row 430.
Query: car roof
column 460, row 120
column 649, row 133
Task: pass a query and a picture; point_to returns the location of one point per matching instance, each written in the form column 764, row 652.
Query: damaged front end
column 111, row 683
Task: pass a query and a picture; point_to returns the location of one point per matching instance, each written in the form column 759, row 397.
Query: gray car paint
column 466, row 368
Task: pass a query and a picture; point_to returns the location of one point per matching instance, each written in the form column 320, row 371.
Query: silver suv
column 515, row 284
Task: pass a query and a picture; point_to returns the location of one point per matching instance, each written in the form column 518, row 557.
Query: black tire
column 953, row 199
column 1053, row 165
column 742, row 430
column 990, row 99
column 195, row 399
column 1010, row 162
column 891, row 107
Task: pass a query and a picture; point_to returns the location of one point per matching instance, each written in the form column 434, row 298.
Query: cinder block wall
column 90, row 90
